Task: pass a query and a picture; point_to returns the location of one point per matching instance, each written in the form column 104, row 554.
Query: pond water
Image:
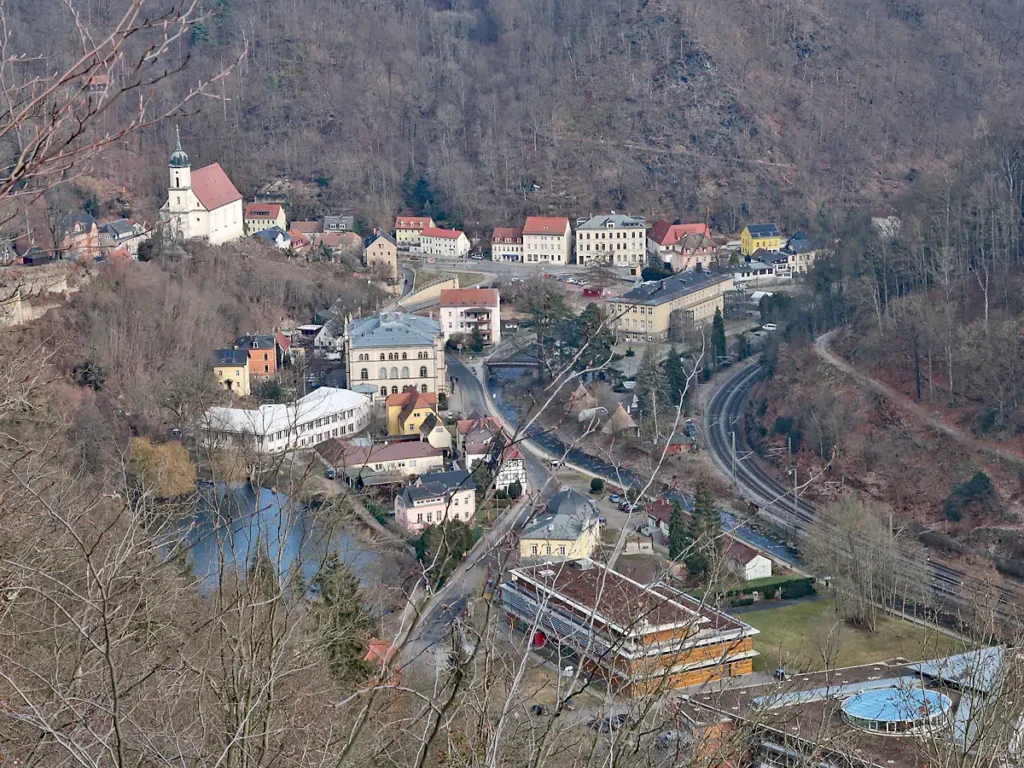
column 234, row 521
column 553, row 445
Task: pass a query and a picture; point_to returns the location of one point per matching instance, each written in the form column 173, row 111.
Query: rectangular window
column 561, row 551
column 419, row 518
column 533, row 549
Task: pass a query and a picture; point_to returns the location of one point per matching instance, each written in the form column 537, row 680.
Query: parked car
column 538, row 710
column 668, row 739
column 556, row 463
column 615, row 498
column 608, row 724
column 770, row 327
column 477, row 257
column 568, row 671
column 602, row 520
column 330, row 473
column 569, row 705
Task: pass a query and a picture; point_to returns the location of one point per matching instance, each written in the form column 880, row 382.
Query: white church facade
column 202, row 203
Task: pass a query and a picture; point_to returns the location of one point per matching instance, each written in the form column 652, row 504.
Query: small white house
column 746, row 562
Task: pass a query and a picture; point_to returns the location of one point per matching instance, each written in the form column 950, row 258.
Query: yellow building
column 408, row 410
column 260, row 216
column 645, row 313
column 568, row 529
column 756, row 236
column 231, row 367
column 409, row 228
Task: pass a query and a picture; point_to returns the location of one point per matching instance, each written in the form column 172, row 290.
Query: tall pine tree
column 344, row 624
column 675, row 378
column 719, row 348
column 705, row 530
column 678, row 533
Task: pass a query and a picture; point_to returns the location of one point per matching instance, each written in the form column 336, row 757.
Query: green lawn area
column 800, row 637
column 466, row 279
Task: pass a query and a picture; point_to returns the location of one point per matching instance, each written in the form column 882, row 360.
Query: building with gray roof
column 395, row 351
column 646, row 312
column 614, row 239
column 568, row 528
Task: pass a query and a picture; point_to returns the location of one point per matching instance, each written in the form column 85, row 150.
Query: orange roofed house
column 261, row 216
column 547, row 239
column 408, row 229
column 639, row 639
column 466, row 309
column 408, row 410
column 507, row 244
column 682, row 245
column 201, row 204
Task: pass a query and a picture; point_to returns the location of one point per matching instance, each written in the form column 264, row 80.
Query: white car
column 770, row 327
column 556, row 463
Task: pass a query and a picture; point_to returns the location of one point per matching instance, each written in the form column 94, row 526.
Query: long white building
column 322, row 414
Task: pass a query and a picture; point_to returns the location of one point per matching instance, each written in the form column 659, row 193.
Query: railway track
column 726, row 441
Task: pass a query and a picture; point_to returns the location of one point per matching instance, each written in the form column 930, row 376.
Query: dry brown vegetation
column 658, row 106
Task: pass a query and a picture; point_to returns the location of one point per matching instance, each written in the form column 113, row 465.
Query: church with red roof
column 202, row 203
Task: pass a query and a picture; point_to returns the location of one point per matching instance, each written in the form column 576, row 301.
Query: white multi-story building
column 204, row 204
column 466, row 309
column 394, row 351
column 615, row 240
column 322, row 414
column 450, row 243
column 507, row 244
column 546, row 239
column 436, row 498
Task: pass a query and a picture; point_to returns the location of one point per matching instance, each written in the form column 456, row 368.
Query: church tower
column 179, row 192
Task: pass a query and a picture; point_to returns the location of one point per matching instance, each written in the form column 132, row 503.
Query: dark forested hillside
column 658, row 106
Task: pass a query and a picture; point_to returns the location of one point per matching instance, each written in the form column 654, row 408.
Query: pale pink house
column 436, row 498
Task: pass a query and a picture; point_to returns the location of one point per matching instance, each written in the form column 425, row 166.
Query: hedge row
column 791, row 586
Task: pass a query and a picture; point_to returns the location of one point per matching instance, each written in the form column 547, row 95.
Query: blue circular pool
column 896, row 710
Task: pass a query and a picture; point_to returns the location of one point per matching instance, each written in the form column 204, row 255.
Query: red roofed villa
column 260, row 216
column 546, row 239
column 464, row 310
column 507, row 244
column 408, row 229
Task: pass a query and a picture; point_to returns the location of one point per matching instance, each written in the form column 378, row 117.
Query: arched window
column 383, row 373
column 423, row 389
column 364, row 374
column 423, row 371
column 381, row 355
column 403, row 355
column 383, row 391
column 394, row 372
column 394, row 390
column 405, row 372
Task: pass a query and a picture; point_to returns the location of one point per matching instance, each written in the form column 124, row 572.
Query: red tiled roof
column 307, row 227
column 283, row 341
column 469, row 297
column 413, row 222
column 739, row 552
column 421, row 399
column 338, row 239
column 379, row 652
column 661, row 510
column 269, row 211
column 545, row 225
column 450, row 234
column 299, row 240
column 342, row 453
column 489, row 423
column 665, row 233
column 213, row 187
column 507, row 233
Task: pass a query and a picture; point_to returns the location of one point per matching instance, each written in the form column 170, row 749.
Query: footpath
column 823, row 349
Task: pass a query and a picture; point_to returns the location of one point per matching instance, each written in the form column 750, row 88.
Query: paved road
column 823, row 349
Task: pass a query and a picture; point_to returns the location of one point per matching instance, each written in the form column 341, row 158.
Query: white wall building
column 463, row 309
column 435, row 498
column 203, row 204
column 546, row 240
column 446, row 243
column 746, row 562
column 322, row 414
column 393, row 351
column 615, row 240
column 512, row 469
column 507, row 244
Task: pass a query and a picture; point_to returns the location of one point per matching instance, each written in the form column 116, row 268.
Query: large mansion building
column 394, row 351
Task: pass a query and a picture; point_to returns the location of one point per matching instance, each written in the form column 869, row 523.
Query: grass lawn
column 799, row 637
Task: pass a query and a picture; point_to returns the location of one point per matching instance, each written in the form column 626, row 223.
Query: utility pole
column 790, row 469
column 733, row 433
